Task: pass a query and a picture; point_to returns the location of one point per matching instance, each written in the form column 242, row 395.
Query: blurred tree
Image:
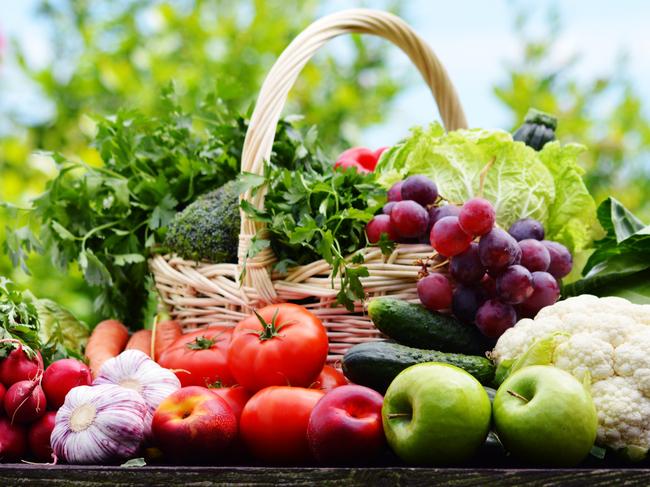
column 606, row 114
column 109, row 55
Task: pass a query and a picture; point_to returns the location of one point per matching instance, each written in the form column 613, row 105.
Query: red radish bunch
column 25, row 401
column 13, row 444
column 26, row 392
column 38, row 437
column 18, row 366
column 62, row 376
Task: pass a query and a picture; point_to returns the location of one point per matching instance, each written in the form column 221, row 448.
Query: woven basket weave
column 200, row 294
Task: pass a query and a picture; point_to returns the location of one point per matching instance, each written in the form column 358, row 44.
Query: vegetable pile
column 488, row 368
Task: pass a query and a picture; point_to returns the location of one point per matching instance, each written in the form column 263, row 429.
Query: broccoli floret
column 208, row 229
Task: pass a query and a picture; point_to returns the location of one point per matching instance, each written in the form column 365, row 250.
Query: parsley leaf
column 315, row 212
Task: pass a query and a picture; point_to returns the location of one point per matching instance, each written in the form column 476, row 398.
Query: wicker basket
column 200, row 294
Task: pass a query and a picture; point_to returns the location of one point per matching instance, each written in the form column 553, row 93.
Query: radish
column 25, row 401
column 61, row 376
column 2, row 393
column 18, row 366
column 13, row 444
column 38, row 437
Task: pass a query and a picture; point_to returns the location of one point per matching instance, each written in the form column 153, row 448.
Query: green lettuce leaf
column 620, row 263
column 519, row 181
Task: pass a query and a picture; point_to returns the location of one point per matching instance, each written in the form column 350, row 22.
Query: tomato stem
column 269, row 330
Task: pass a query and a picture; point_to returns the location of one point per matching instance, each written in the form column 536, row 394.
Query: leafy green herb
column 62, row 335
column 39, row 324
column 108, row 219
column 315, row 212
column 620, row 265
column 18, row 320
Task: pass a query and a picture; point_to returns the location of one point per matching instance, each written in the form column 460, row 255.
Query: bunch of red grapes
column 493, row 277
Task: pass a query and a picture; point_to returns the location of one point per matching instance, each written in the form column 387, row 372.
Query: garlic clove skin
column 135, row 370
column 99, row 424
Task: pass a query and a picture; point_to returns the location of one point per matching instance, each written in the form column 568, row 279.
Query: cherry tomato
column 329, row 378
column 235, row 396
column 200, row 358
column 274, row 424
column 282, row 344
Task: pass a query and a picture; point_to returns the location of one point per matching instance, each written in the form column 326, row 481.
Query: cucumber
column 376, row 364
column 414, row 325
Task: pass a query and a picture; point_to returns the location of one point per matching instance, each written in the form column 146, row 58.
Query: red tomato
column 235, row 396
column 329, row 378
column 274, row 423
column 200, row 358
column 290, row 348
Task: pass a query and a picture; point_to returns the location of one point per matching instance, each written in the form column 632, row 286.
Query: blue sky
column 474, row 39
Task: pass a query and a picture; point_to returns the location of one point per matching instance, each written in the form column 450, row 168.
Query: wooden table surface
column 64, row 475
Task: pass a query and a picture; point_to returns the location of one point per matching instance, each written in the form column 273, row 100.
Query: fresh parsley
column 315, row 212
column 108, row 219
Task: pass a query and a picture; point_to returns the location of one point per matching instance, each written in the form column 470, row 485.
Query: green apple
column 435, row 414
column 545, row 416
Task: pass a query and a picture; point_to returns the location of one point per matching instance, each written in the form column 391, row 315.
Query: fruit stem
column 269, row 330
column 399, row 415
column 518, row 396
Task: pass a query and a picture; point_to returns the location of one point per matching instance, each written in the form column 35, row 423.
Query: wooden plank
column 92, row 476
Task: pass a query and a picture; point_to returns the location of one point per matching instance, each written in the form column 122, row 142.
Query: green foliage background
column 110, row 55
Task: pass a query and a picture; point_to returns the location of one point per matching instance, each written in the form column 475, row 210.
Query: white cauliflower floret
column 623, row 414
column 517, row 339
column 582, row 354
column 605, row 339
column 632, row 360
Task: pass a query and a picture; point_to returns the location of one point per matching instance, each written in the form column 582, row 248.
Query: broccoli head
column 208, row 229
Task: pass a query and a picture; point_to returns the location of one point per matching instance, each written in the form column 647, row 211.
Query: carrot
column 106, row 341
column 164, row 334
column 140, row 340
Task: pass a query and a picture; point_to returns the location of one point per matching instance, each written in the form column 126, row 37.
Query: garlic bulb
column 99, row 424
column 135, row 370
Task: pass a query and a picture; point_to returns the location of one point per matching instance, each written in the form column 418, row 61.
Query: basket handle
column 280, row 79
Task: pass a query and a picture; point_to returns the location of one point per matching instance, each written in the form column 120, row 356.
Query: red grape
column 409, row 219
column 388, row 207
column 434, row 292
column 438, row 212
column 489, row 286
column 525, row 228
column 465, row 302
column 495, row 317
column 546, row 291
column 561, row 260
column 395, row 192
column 448, row 238
column 498, row 250
column 515, row 285
column 534, row 255
column 466, row 267
column 477, row 216
column 378, row 225
column 419, row 189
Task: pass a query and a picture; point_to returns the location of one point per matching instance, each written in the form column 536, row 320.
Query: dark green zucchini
column 538, row 129
column 414, row 325
column 376, row 364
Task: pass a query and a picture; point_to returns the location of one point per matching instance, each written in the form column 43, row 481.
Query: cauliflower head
column 604, row 341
